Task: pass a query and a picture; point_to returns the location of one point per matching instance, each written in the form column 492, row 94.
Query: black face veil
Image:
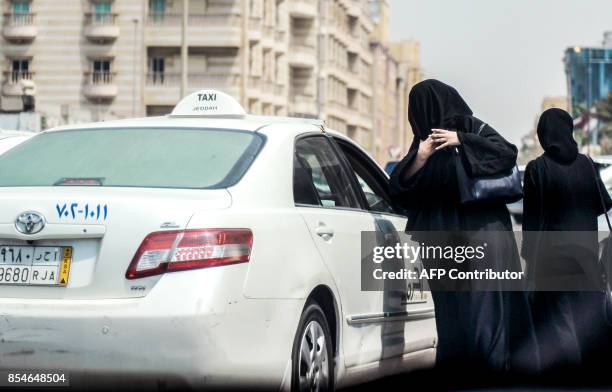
column 555, row 131
column 433, row 104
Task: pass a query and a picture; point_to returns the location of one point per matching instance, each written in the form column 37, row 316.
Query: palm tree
column 604, row 115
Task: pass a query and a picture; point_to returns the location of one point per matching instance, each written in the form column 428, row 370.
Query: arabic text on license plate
column 35, row 265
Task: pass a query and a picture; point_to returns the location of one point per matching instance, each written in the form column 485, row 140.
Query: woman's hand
column 444, row 138
column 426, row 148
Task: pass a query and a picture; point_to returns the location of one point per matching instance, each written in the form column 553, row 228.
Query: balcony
column 254, row 82
column 255, row 28
column 101, row 27
column 268, row 86
column 280, row 41
column 279, row 90
column 19, row 27
column 164, row 88
column 353, row 10
column 280, row 36
column 303, row 8
column 100, row 86
column 302, row 105
column 268, row 35
column 302, row 55
column 15, row 82
column 203, row 30
column 339, row 110
column 340, row 32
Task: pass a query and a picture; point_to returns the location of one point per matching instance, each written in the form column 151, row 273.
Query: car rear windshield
column 132, row 157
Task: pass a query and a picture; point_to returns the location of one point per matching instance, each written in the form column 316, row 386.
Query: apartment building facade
column 93, row 60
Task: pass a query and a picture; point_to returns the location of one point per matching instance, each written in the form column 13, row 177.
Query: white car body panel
column 207, row 327
column 10, row 139
column 136, row 212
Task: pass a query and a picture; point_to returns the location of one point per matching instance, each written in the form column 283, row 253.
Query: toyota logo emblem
column 30, row 223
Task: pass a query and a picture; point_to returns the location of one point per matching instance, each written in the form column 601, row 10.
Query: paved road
column 434, row 380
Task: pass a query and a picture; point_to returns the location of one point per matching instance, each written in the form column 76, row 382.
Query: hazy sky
column 503, row 56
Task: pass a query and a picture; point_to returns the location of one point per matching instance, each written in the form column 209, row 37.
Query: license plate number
column 35, row 265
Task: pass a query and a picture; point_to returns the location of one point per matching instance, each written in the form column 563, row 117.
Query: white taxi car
column 206, row 248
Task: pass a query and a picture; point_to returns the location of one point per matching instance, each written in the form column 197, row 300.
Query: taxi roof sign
column 208, row 103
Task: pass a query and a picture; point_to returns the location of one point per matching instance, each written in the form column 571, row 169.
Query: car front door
column 326, row 197
column 408, row 310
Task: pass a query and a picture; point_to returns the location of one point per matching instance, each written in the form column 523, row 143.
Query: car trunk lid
column 102, row 229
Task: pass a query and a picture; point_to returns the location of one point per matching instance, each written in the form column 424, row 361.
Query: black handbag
column 605, row 257
column 503, row 187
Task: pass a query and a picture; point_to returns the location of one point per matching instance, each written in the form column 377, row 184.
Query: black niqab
column 555, row 131
column 434, row 104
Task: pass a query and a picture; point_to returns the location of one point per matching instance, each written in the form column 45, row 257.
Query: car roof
column 243, row 123
column 4, row 135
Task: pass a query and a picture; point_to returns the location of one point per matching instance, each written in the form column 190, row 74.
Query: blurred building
column 91, row 60
column 530, row 146
column 553, row 102
column 345, row 68
column 84, row 59
column 589, row 78
column 396, row 69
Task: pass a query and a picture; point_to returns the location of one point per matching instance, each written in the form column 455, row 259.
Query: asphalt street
column 419, row 381
column 436, row 380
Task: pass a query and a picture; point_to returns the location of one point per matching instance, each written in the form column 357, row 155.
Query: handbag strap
column 601, row 198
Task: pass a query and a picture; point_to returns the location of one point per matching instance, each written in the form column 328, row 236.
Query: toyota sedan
column 207, row 248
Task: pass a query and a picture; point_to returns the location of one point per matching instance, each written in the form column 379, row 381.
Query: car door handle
column 324, row 232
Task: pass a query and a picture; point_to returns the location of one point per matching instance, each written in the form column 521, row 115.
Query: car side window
column 319, row 178
column 372, row 183
column 376, row 202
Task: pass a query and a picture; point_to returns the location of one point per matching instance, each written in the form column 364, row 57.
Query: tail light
column 170, row 251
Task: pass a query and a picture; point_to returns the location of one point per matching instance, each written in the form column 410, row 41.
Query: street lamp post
column 184, row 48
column 134, row 67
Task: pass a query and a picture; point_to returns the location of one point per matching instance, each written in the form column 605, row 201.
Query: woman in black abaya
column 484, row 329
column 561, row 205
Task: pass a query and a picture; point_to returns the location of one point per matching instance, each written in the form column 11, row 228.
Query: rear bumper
column 178, row 333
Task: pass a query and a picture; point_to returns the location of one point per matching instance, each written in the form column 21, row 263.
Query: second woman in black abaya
column 561, row 206
column 483, row 329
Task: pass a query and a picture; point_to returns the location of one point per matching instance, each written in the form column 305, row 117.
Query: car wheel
column 312, row 357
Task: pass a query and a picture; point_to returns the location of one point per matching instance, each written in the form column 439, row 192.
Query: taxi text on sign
column 208, row 103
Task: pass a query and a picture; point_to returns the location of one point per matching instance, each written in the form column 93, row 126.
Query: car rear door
column 407, row 307
column 326, row 198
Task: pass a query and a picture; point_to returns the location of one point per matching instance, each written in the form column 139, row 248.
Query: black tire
column 312, row 313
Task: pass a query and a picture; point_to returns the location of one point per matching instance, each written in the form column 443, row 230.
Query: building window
column 157, row 69
column 256, row 60
column 21, row 7
column 158, row 110
column 20, row 69
column 101, row 71
column 157, row 9
column 102, row 11
column 375, row 11
column 20, row 13
column 256, row 8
